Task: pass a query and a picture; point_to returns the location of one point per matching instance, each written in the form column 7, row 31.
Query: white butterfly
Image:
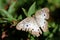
column 34, row 24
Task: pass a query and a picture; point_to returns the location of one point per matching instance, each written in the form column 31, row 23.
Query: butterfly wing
column 40, row 17
column 43, row 13
column 29, row 24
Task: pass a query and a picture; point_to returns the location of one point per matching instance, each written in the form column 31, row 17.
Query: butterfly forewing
column 29, row 24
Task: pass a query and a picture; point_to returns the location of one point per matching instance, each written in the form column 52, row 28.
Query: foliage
column 13, row 11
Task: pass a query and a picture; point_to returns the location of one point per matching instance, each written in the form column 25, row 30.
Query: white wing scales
column 40, row 17
column 33, row 24
column 30, row 25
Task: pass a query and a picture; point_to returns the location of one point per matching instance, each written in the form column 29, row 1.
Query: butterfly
column 35, row 24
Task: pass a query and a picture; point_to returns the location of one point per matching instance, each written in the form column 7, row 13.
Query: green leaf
column 20, row 17
column 52, row 24
column 24, row 11
column 56, row 2
column 51, row 35
column 6, row 13
column 9, row 17
column 11, row 8
column 32, row 9
column 46, row 33
column 32, row 38
column 54, row 30
column 1, row 4
column 3, row 21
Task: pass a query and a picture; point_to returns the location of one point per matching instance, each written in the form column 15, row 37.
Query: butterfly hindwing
column 40, row 17
column 43, row 13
